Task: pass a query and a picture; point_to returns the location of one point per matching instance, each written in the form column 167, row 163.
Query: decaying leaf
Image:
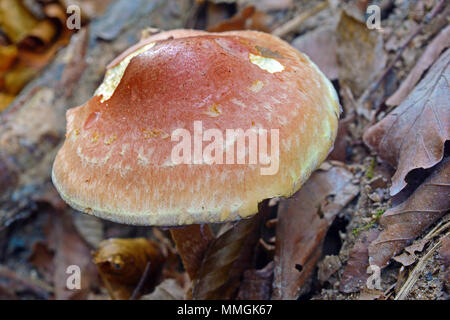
column 32, row 43
column 247, row 18
column 413, row 135
column 360, row 54
column 226, row 259
column 408, row 257
column 42, row 258
column 402, row 224
column 69, row 250
column 327, row 267
column 191, row 242
column 303, row 222
column 257, row 284
column 355, row 273
column 16, row 21
column 320, row 46
column 122, row 263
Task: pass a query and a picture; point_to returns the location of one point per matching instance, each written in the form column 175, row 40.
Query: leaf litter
column 344, row 206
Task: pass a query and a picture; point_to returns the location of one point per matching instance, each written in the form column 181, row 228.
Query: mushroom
column 190, row 127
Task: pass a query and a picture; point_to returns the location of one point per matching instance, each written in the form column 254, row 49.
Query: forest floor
column 371, row 223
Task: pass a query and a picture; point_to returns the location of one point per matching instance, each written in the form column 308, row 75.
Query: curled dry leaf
column 355, row 273
column 123, row 262
column 408, row 257
column 402, row 224
column 413, row 135
column 16, row 21
column 35, row 42
column 303, row 221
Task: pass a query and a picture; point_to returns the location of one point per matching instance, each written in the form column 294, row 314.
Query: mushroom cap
column 117, row 163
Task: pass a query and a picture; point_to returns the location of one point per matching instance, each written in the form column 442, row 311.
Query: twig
column 371, row 89
column 141, row 282
column 294, row 23
column 406, row 288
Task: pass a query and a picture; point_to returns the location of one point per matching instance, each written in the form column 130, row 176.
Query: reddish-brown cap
column 117, row 161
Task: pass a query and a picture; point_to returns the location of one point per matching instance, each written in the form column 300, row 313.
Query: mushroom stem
column 191, row 242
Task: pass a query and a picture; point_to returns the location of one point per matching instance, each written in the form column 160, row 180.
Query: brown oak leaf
column 303, row 221
column 122, row 263
column 413, row 135
column 402, row 224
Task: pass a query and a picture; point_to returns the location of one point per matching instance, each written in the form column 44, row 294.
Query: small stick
column 294, row 23
column 406, row 288
column 141, row 282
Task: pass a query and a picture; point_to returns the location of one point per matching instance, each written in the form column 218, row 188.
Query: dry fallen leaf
column 257, row 284
column 413, row 135
column 303, row 222
column 402, row 224
column 8, row 55
column 42, row 259
column 247, row 18
column 320, row 46
column 16, row 21
column 69, row 250
column 31, row 43
column 191, row 242
column 360, row 54
column 122, row 263
column 408, row 257
column 327, row 267
column 355, row 273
